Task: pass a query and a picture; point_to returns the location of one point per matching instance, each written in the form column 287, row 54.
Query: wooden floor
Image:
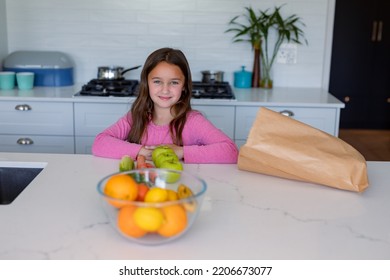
column 374, row 145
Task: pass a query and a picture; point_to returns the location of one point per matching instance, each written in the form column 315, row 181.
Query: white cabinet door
column 37, row 144
column 36, row 127
column 92, row 118
column 30, row 117
column 325, row 119
column 84, row 144
column 223, row 117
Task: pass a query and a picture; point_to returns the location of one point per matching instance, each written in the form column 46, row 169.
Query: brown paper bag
column 281, row 146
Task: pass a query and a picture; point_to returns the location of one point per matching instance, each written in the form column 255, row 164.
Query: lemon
column 148, row 218
column 172, row 195
column 156, row 194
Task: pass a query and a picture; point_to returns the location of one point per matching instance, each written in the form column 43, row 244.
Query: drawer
column 37, row 144
column 325, row 119
column 92, row 118
column 223, row 117
column 51, row 118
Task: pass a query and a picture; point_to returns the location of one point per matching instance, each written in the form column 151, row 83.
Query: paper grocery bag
column 281, row 146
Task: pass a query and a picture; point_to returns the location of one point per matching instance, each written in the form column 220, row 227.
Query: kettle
column 242, row 79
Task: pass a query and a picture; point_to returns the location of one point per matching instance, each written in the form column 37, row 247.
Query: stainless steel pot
column 212, row 76
column 113, row 72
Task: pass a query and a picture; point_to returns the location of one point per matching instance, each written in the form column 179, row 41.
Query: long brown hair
column 142, row 109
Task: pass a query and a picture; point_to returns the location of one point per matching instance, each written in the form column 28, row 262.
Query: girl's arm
column 111, row 143
column 204, row 143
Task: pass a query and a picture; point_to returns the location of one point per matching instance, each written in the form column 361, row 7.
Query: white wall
column 123, row 32
column 3, row 32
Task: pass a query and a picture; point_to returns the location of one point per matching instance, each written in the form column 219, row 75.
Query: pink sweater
column 202, row 141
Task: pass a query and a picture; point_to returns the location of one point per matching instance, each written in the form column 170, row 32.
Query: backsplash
column 123, row 33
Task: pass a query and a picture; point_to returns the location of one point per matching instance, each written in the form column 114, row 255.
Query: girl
column 162, row 115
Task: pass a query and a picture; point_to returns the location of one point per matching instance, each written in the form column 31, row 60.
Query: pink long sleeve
column 203, row 142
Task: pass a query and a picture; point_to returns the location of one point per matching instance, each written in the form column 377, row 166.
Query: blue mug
column 25, row 80
column 7, row 80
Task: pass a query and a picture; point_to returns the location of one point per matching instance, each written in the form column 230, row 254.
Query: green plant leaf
column 257, row 26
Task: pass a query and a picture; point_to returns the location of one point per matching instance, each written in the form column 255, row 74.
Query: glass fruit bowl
column 152, row 206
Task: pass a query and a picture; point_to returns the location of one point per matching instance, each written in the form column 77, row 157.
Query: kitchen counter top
column 244, row 216
column 313, row 97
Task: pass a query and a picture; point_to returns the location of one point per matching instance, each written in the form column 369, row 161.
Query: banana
column 184, row 192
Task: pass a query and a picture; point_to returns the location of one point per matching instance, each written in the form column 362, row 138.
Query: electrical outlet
column 287, row 54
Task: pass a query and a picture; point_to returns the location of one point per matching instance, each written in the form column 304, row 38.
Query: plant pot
column 266, row 83
column 256, row 69
column 266, row 80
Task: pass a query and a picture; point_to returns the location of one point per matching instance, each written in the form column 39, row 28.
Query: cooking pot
column 212, row 76
column 113, row 72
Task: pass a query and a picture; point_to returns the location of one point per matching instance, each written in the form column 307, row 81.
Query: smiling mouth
column 165, row 97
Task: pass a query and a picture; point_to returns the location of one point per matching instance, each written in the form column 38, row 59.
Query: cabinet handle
column 25, row 141
column 23, row 107
column 373, row 33
column 287, row 113
column 379, row 36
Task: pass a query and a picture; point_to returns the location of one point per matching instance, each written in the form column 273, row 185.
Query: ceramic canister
column 242, row 79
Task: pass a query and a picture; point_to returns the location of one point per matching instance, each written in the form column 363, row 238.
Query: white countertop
column 313, row 97
column 245, row 216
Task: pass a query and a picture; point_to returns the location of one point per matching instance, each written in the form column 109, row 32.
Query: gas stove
column 212, row 90
column 129, row 88
column 120, row 87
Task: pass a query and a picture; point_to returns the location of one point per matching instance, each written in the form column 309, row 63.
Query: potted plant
column 259, row 28
column 252, row 31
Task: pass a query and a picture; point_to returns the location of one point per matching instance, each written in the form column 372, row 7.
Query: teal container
column 242, row 79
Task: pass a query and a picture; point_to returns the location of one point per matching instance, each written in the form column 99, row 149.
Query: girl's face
column 166, row 83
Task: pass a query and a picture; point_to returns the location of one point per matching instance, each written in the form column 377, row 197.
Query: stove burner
column 120, row 87
column 220, row 90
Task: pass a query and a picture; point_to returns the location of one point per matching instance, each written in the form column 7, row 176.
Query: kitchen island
column 244, row 216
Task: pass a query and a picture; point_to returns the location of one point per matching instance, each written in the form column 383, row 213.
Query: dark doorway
column 360, row 63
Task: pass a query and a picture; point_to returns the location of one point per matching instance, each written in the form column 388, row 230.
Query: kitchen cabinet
column 58, row 122
column 92, row 118
column 360, row 64
column 325, row 119
column 223, row 117
column 29, row 126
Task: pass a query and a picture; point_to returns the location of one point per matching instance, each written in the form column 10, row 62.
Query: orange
column 148, row 218
column 156, row 194
column 175, row 220
column 121, row 186
column 126, row 223
column 142, row 191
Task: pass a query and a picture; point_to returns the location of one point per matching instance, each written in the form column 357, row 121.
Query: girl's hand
column 147, row 151
column 178, row 150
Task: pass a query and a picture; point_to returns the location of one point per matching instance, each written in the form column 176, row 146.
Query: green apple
column 166, row 156
column 160, row 149
column 171, row 164
column 126, row 164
